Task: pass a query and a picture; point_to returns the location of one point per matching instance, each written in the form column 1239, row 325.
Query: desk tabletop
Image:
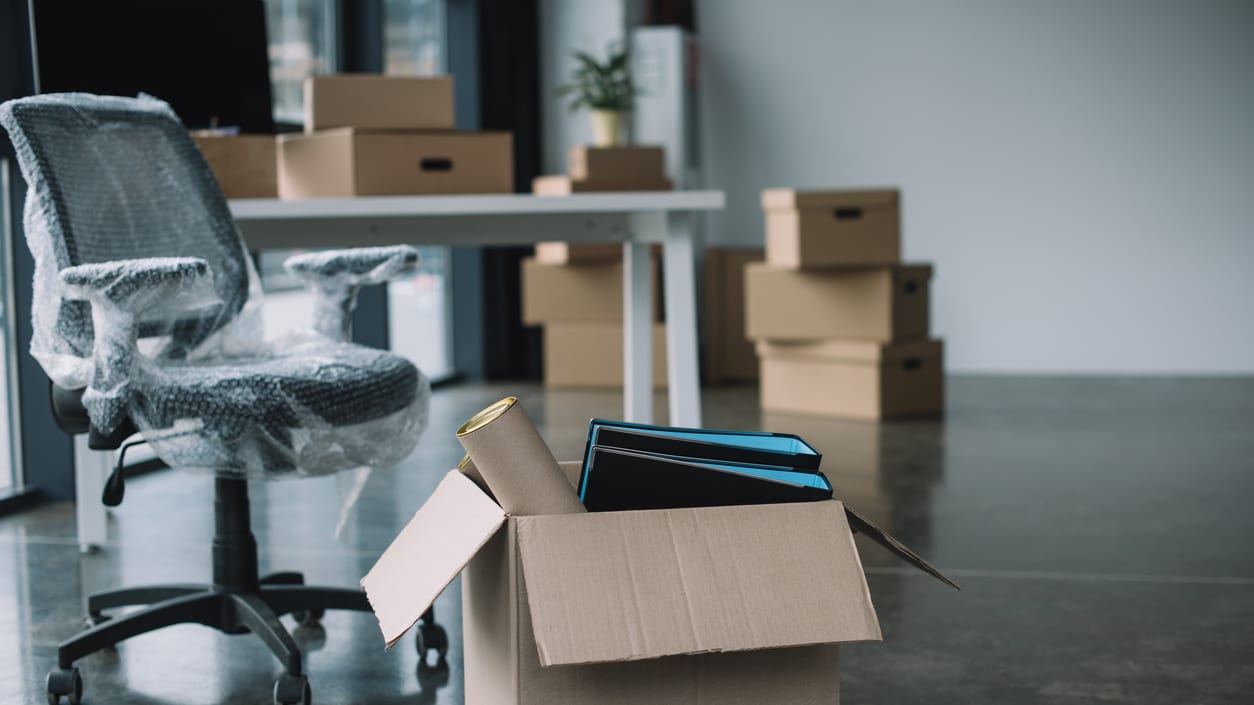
column 260, row 209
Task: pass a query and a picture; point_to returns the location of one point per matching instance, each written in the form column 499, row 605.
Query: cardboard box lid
column 627, row 586
column 429, row 552
column 797, row 199
column 859, row 351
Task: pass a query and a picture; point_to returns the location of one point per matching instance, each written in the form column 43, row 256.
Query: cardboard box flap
column 627, row 586
column 864, row 351
column 797, row 199
column 871, row 530
column 429, row 552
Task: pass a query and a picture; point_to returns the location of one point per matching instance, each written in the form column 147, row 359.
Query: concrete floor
column 1101, row 529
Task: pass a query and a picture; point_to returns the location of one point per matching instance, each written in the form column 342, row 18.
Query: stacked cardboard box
column 575, row 290
column 244, row 165
column 728, row 358
column 369, row 135
column 841, row 324
column 580, row 306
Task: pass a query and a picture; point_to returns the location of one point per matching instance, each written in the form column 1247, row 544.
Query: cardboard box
column 860, row 380
column 578, row 252
column 347, row 162
column 589, row 355
column 729, row 356
column 590, row 292
column 622, row 167
column 244, row 165
column 816, row 229
column 882, row 303
column 371, row 101
column 559, row 185
column 715, row 606
column 575, row 253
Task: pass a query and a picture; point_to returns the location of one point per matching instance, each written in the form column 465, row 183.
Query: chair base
column 237, row 602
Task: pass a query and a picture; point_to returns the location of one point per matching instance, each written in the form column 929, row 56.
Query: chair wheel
column 431, row 637
column 309, row 618
column 292, row 690
column 65, row 682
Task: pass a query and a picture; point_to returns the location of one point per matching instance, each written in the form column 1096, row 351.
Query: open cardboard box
column 720, row 605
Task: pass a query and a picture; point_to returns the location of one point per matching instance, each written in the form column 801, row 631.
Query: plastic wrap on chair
column 336, row 275
column 146, row 297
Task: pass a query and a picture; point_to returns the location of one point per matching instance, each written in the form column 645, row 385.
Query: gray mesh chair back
column 133, row 186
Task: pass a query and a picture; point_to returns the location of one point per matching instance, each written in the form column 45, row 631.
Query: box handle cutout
column 911, row 286
column 911, row 363
column 847, row 213
column 436, row 164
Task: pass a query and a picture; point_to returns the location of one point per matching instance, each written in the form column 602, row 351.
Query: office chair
column 146, row 319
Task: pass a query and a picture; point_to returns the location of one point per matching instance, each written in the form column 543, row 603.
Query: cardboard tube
column 467, row 468
column 518, row 467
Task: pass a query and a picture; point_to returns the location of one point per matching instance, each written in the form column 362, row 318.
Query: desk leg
column 91, row 470
column 680, row 292
column 637, row 334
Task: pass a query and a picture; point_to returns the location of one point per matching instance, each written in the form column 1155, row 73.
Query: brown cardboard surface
column 449, row 529
column 822, row 229
column 378, row 102
column 873, row 303
column 575, row 253
column 503, row 667
column 562, row 253
column 586, row 292
column 347, row 162
column 793, row 199
column 622, row 166
column 659, row 583
column 729, row 356
column 244, row 165
column 851, row 380
column 561, row 185
column 589, row 355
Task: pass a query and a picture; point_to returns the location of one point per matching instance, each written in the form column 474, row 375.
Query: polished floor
column 1101, row 528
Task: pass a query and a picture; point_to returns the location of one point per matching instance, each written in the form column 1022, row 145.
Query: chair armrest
column 121, row 293
column 336, row 275
column 134, row 285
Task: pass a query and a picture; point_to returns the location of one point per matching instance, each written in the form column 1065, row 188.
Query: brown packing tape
column 515, row 463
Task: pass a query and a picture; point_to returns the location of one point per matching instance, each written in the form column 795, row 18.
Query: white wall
column 567, row 26
column 1080, row 172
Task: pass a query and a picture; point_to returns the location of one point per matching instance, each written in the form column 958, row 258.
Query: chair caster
column 292, row 690
column 65, row 682
column 309, row 618
column 431, row 637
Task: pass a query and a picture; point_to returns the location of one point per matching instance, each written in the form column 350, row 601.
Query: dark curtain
column 509, row 99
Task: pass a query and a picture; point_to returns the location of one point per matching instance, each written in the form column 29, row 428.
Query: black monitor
column 209, row 59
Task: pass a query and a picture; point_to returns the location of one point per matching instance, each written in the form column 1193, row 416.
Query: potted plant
column 606, row 89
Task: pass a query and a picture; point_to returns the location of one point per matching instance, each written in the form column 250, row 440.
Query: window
column 413, row 37
column 302, row 43
column 418, row 308
column 10, row 476
column 303, row 34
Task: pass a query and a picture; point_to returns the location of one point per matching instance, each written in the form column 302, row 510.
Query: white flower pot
column 606, row 125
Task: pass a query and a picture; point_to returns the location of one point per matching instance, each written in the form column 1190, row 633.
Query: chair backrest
column 114, row 178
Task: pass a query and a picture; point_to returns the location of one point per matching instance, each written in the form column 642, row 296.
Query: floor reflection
column 1099, row 528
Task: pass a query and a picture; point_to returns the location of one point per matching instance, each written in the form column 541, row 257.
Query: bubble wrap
column 146, row 298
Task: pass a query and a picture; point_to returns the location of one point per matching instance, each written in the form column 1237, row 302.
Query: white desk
column 636, row 219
